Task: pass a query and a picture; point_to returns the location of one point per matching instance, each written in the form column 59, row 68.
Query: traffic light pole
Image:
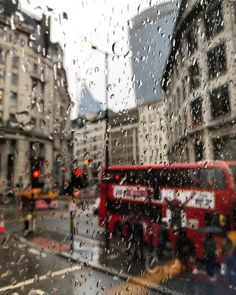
column 107, row 234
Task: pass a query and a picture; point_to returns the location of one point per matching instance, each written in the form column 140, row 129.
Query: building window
column 14, row 79
column 22, row 42
column 2, row 56
column 2, row 75
column 2, row 33
column 35, row 68
column 1, row 95
column 196, row 112
column 34, row 84
column 13, row 99
column 214, row 21
column 42, row 85
column 15, row 62
column 16, row 38
column 1, row 117
column 183, row 89
column 194, row 76
column 185, row 119
column 199, row 150
column 178, row 98
column 192, row 40
column 216, row 60
column 220, row 103
column 12, row 119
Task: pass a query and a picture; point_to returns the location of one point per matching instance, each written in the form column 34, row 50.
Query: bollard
column 2, row 224
column 72, row 231
column 72, row 212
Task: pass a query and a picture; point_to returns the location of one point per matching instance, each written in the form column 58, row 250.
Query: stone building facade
column 33, row 101
column 199, row 81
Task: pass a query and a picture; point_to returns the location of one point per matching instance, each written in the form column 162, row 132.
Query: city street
column 30, row 270
column 42, row 260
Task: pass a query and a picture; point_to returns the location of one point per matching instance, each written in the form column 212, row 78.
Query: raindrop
column 91, row 84
column 119, row 50
column 22, row 116
column 14, row 124
column 70, row 106
column 109, row 87
column 29, row 126
column 42, row 123
column 96, row 70
column 40, row 105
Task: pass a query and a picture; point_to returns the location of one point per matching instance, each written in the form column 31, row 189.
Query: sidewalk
column 91, row 252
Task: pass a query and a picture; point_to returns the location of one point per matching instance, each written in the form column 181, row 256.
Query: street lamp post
column 106, row 151
column 107, row 160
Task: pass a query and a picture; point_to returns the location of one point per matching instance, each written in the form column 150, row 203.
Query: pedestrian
column 229, row 252
column 72, row 213
column 138, row 240
column 209, row 247
column 231, row 270
column 185, row 250
column 19, row 188
column 27, row 207
column 164, row 240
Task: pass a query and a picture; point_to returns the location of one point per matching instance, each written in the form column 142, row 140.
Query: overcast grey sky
column 102, row 23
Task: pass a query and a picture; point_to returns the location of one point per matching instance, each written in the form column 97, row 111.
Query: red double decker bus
column 205, row 194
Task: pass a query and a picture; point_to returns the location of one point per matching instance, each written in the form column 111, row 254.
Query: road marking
column 37, row 252
column 37, row 292
column 41, row 278
column 81, row 238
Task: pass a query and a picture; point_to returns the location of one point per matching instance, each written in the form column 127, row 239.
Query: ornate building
column 34, row 130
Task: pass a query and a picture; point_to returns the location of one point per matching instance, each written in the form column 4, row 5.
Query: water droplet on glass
column 29, row 126
column 22, row 117
column 109, row 87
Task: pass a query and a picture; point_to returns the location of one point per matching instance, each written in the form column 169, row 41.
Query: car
column 96, row 206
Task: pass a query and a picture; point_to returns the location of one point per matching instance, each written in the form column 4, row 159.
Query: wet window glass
column 117, row 147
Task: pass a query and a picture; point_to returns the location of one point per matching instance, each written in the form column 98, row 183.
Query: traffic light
column 36, row 173
column 87, row 161
column 35, row 178
column 78, row 172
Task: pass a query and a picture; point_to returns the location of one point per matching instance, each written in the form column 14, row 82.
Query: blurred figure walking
column 185, row 251
column 209, row 246
column 164, row 240
column 229, row 252
column 138, row 239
